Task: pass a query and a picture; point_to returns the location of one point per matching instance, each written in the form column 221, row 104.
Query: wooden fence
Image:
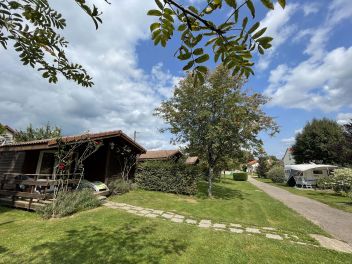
column 30, row 191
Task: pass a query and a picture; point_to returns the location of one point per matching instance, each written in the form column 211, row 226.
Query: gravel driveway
column 336, row 222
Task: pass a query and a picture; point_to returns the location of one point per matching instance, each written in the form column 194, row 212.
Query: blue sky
column 307, row 73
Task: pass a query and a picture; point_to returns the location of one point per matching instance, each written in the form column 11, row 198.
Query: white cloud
column 344, row 118
column 124, row 95
column 322, row 81
column 288, row 141
column 310, row 8
column 277, row 22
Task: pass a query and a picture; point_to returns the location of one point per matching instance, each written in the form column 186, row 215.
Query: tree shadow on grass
column 219, row 192
column 129, row 243
column 3, row 249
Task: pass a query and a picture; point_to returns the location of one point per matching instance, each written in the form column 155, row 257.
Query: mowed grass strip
column 328, row 197
column 233, row 202
column 105, row 235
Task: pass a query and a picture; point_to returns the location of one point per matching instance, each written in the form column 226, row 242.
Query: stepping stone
column 191, row 221
column 179, row 216
column 252, row 230
column 273, row 236
column 286, row 236
column 151, row 215
column 167, row 216
column 269, row 228
column 236, row 225
column 236, row 230
column 206, row 222
column 219, row 226
column 177, row 220
column 204, row 225
column 294, row 236
column 158, row 212
column 145, row 212
column 132, row 211
column 332, row 243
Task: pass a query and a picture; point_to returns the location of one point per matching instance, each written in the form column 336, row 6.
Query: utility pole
column 135, row 135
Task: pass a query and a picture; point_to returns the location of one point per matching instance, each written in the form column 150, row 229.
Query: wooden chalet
column 27, row 168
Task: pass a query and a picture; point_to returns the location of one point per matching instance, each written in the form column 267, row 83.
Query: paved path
column 336, row 222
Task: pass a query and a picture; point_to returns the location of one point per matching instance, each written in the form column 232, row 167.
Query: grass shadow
column 128, row 243
column 219, row 192
column 3, row 249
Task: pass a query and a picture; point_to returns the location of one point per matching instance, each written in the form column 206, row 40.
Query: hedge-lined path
column 336, row 222
column 268, row 232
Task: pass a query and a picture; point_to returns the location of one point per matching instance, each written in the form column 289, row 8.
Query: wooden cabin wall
column 11, row 161
column 30, row 162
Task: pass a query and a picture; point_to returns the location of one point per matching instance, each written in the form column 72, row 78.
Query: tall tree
column 44, row 132
column 215, row 119
column 348, row 136
column 33, row 28
column 2, row 129
column 320, row 141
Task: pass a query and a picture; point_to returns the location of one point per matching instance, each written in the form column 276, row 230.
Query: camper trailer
column 306, row 175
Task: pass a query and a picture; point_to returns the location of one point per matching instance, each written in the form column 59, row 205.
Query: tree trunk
column 210, row 183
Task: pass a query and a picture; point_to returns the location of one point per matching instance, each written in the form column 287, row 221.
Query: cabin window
column 46, row 162
column 317, row 172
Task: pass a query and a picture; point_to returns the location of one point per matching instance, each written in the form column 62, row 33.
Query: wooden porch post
column 107, row 165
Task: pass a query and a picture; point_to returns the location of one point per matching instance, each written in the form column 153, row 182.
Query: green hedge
column 240, row 176
column 167, row 176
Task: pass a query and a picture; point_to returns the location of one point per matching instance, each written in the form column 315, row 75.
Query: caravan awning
column 305, row 167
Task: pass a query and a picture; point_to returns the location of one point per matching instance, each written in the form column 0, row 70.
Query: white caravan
column 306, row 175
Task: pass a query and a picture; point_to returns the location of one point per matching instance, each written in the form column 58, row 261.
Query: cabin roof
column 305, row 167
column 159, row 154
column 192, row 160
column 52, row 142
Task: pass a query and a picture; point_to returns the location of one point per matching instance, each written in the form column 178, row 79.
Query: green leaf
column 154, row 12
column 251, row 7
column 231, row 3
column 154, row 26
column 259, row 33
column 268, row 4
column 160, row 5
column 202, row 58
column 189, row 65
column 182, row 27
column 244, row 22
column 253, row 28
column 282, row 3
column 198, row 51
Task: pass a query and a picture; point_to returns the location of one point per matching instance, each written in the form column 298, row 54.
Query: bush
column 276, row 174
column 240, row 176
column 120, row 186
column 70, row 202
column 167, row 176
column 324, row 182
column 342, row 181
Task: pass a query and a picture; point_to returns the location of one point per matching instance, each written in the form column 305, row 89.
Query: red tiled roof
column 252, row 162
column 51, row 142
column 159, row 154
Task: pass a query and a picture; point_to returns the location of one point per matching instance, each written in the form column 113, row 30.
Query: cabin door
column 46, row 165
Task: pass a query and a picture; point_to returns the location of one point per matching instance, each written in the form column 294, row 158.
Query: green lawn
column 233, row 202
column 111, row 236
column 325, row 196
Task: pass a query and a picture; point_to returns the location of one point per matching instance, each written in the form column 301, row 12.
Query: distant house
column 192, row 160
column 150, row 155
column 252, row 166
column 288, row 158
column 162, row 155
column 7, row 137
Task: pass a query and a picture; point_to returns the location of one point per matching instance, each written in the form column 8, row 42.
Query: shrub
column 70, row 202
column 240, row 176
column 120, row 186
column 324, row 182
column 276, row 174
column 342, row 181
column 263, row 167
column 167, row 176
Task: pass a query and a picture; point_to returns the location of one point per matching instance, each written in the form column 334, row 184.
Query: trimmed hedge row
column 167, row 176
column 240, row 176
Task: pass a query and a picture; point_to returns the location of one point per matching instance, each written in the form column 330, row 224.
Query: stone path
column 336, row 222
column 268, row 232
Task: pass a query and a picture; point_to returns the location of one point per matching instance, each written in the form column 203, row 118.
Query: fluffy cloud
column 310, row 8
column 344, row 118
column 288, row 141
column 277, row 22
column 124, row 95
column 322, row 81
